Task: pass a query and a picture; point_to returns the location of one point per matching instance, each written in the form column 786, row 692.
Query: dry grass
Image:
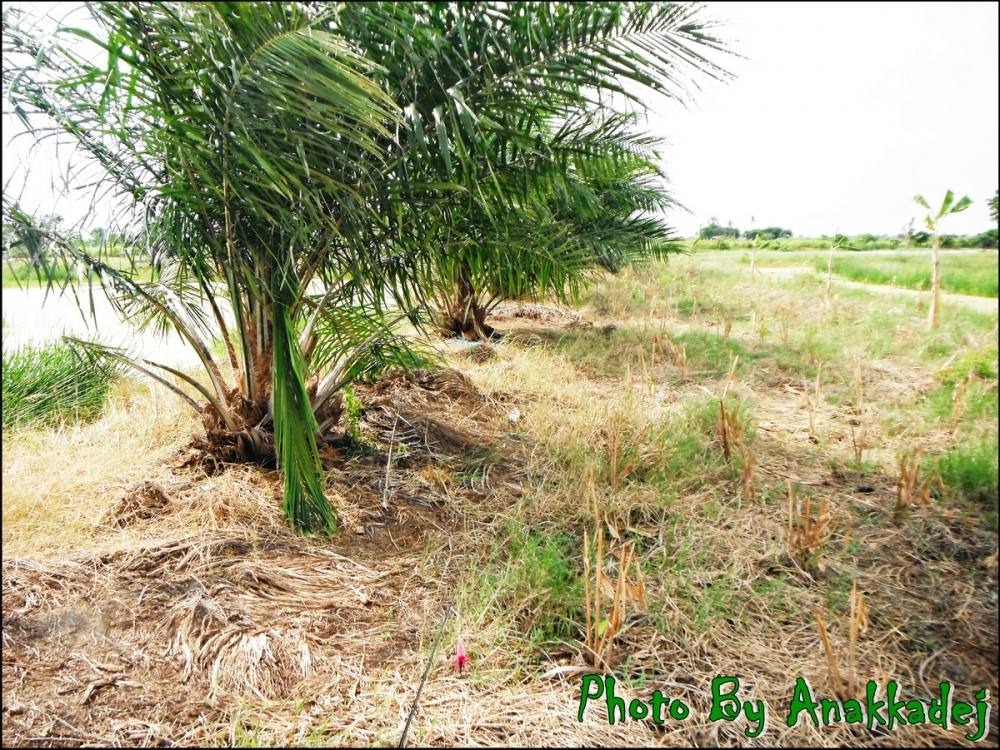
column 56, row 482
column 732, row 433
column 604, row 625
column 814, row 397
column 195, row 579
column 842, row 671
column 807, row 532
column 125, row 578
column 912, row 489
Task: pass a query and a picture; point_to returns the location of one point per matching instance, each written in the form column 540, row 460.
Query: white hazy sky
column 838, row 114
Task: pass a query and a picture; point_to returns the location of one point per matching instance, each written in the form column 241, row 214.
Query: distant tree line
column 723, row 235
column 987, row 239
column 715, row 230
column 18, row 245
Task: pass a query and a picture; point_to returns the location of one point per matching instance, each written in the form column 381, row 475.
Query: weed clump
column 971, row 471
column 52, row 384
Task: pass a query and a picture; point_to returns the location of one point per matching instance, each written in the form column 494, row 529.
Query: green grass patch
column 971, row 471
column 20, row 273
column 711, row 354
column 962, row 274
column 534, row 579
column 52, row 384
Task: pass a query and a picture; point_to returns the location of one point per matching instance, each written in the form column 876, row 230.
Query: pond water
column 30, row 316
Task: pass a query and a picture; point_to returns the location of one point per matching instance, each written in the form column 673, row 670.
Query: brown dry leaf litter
column 167, row 640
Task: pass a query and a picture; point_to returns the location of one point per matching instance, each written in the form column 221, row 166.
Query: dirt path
column 973, row 302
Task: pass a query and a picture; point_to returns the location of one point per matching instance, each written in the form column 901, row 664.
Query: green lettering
column 982, row 715
column 585, row 694
column 873, row 706
column 853, row 713
column 802, row 700
column 960, row 711
column 638, row 709
column 757, row 715
column 893, row 706
column 614, row 703
column 725, row 705
column 831, row 711
column 657, row 707
column 939, row 711
column 916, row 709
column 679, row 710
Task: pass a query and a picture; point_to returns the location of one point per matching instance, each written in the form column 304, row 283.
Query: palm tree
column 599, row 218
column 512, row 102
column 933, row 222
column 295, row 164
column 248, row 137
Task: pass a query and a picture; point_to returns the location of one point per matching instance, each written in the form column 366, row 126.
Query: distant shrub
column 986, row 239
column 874, row 242
column 714, row 230
column 48, row 385
column 768, row 233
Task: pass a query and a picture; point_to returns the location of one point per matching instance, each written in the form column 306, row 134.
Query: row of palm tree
column 307, row 175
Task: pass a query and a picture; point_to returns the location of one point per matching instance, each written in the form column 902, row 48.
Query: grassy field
column 19, row 273
column 774, row 463
column 961, row 274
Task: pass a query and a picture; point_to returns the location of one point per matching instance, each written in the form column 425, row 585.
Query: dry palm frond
column 237, row 655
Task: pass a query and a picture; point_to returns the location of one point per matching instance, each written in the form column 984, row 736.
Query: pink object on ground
column 461, row 660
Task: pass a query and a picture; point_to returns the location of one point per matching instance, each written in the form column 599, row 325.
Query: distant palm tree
column 933, row 222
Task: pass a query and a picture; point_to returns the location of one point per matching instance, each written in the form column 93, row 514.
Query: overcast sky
column 838, row 114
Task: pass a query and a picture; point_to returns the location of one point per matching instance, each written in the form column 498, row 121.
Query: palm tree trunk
column 467, row 315
column 934, row 316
